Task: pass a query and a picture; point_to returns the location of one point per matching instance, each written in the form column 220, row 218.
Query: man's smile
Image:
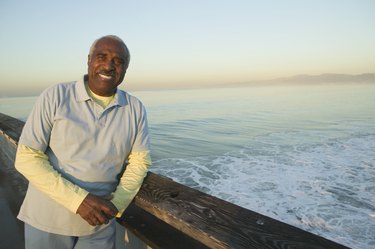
column 106, row 75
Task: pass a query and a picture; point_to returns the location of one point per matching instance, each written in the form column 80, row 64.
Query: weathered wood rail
column 166, row 214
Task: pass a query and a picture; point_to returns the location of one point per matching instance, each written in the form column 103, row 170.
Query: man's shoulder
column 59, row 89
column 63, row 86
column 130, row 99
column 58, row 93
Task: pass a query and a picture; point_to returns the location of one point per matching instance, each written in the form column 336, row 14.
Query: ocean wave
column 325, row 186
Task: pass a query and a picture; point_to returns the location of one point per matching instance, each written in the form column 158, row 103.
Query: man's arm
column 34, row 165
column 132, row 179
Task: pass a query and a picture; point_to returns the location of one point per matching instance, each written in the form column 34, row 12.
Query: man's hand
column 97, row 210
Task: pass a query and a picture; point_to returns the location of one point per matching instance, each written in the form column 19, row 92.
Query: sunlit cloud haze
column 182, row 44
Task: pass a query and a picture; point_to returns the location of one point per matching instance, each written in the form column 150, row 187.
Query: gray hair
column 113, row 37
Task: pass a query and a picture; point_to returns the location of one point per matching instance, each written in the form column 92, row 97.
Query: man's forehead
column 110, row 46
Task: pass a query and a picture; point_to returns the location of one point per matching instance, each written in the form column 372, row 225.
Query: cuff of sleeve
column 122, row 199
column 77, row 200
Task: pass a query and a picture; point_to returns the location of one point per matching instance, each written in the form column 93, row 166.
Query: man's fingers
column 107, row 207
column 97, row 210
column 101, row 218
column 109, row 210
column 92, row 222
column 96, row 217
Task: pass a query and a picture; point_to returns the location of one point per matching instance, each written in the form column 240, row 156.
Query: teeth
column 107, row 77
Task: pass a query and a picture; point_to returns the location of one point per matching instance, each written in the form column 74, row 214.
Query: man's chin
column 105, row 81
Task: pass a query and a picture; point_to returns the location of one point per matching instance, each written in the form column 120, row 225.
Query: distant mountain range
column 329, row 78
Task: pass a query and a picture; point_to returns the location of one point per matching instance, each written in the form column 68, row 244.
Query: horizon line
column 283, row 80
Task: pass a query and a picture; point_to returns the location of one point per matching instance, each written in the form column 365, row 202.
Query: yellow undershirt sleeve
column 132, row 179
column 34, row 165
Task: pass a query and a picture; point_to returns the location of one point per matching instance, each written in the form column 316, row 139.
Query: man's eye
column 100, row 57
column 119, row 62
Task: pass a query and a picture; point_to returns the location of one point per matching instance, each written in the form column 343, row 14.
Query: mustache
column 106, row 72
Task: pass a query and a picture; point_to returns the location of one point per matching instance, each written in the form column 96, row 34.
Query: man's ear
column 88, row 59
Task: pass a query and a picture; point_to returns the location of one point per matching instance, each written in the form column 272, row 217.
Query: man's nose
column 109, row 65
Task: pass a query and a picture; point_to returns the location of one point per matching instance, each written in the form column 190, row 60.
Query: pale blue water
column 301, row 154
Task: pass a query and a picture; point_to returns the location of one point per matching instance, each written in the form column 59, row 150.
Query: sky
column 183, row 44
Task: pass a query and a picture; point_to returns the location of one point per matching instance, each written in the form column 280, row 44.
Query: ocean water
column 303, row 154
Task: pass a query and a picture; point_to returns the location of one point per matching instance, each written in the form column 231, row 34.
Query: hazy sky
column 185, row 43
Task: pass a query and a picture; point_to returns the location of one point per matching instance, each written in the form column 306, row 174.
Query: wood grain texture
column 217, row 223
column 156, row 233
column 12, row 182
column 11, row 127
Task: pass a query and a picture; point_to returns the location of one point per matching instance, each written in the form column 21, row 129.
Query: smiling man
column 107, row 64
column 85, row 151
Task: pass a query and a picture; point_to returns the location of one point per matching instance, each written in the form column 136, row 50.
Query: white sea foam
column 325, row 188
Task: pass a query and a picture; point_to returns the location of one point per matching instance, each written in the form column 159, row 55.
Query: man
column 85, row 151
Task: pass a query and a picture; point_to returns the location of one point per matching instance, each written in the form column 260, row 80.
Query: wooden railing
column 166, row 214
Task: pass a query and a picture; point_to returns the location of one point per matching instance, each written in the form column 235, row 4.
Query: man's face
column 107, row 66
